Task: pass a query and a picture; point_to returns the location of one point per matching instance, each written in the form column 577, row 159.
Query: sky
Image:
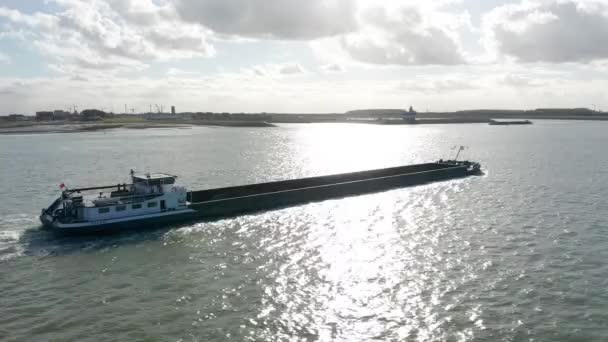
column 294, row 56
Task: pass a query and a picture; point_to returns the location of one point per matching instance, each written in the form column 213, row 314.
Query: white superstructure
column 149, row 196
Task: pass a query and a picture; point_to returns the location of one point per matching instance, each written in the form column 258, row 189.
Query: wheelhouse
column 151, row 179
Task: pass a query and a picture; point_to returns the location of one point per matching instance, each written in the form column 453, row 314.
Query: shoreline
column 76, row 128
column 54, row 128
column 17, row 128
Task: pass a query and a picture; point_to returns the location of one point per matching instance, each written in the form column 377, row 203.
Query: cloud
column 401, row 35
column 36, row 19
column 247, row 93
column 272, row 70
column 271, row 19
column 333, row 67
column 176, row 72
column 520, row 81
column 132, row 34
column 555, row 31
column 291, row 69
column 98, row 34
column 79, row 79
column 441, row 85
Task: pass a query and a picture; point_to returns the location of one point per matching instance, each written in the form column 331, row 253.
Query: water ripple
column 518, row 254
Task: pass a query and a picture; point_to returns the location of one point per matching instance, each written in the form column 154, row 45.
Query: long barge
column 509, row 123
column 154, row 200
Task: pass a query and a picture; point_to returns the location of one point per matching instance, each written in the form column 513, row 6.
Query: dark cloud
column 273, row 19
column 553, row 31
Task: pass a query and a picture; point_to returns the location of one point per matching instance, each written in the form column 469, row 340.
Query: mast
column 460, row 149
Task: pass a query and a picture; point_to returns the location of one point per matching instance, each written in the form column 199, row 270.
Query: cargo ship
column 509, row 123
column 156, row 199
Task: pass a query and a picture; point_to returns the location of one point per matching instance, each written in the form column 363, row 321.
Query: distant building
column 16, row 117
column 160, row 116
column 185, row 116
column 173, row 110
column 45, row 116
column 61, row 115
column 410, row 115
column 92, row 114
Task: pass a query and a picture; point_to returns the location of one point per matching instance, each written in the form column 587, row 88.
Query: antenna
column 460, row 149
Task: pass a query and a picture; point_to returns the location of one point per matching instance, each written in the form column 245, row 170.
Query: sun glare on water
column 335, row 148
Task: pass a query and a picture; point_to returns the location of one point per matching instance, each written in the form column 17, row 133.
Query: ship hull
column 118, row 225
column 233, row 201
column 229, row 202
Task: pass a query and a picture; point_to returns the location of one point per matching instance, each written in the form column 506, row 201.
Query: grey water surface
column 519, row 254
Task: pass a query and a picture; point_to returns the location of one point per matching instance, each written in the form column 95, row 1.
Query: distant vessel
column 509, row 123
column 151, row 198
column 154, row 199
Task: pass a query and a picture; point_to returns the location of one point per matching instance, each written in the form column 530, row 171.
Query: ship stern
column 46, row 219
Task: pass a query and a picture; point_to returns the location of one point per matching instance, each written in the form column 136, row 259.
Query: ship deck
column 236, row 200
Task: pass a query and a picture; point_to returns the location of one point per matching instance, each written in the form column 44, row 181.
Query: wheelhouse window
column 104, row 210
column 152, row 204
column 121, row 207
column 136, row 206
column 155, row 179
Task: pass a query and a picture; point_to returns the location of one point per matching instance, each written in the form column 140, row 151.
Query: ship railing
column 128, row 200
column 115, row 186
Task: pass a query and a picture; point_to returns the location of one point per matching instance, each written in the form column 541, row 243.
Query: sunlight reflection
column 369, row 267
column 334, row 148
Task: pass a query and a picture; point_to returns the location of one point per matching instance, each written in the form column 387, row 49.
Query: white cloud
column 555, row 31
column 400, row 33
column 291, row 69
column 280, row 70
column 112, row 34
column 35, row 20
column 520, row 81
column 246, row 91
column 333, row 67
column 104, row 51
column 131, row 34
column 450, row 84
